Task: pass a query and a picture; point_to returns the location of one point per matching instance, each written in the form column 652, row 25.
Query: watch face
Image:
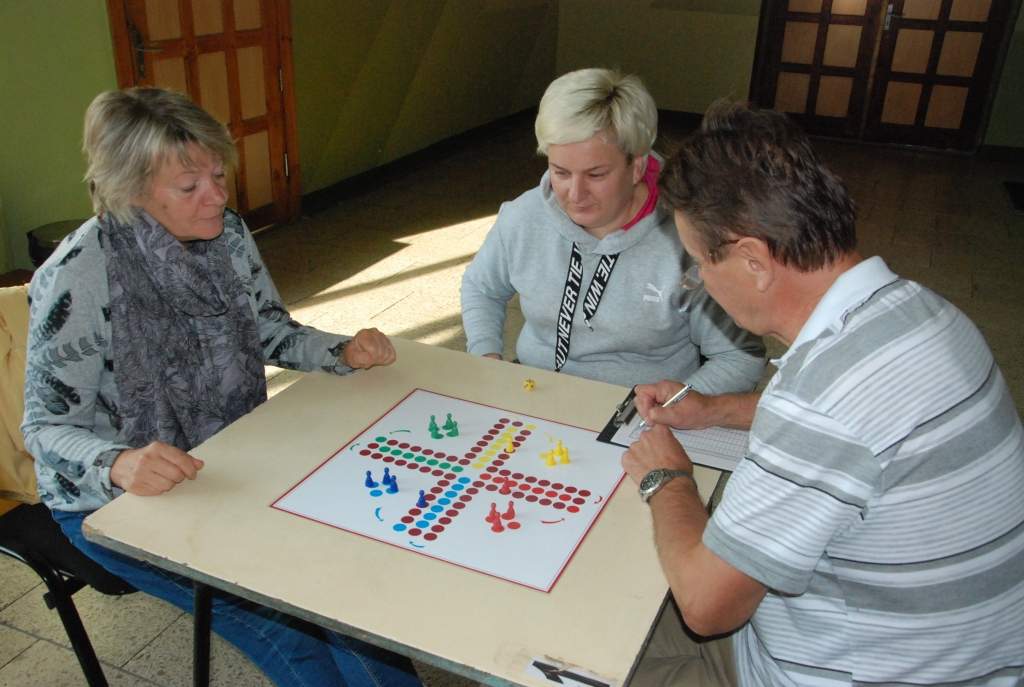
column 651, row 480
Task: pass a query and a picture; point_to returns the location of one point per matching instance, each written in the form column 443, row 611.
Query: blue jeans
column 290, row 651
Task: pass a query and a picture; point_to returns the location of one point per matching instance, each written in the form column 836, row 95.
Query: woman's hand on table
column 153, row 469
column 368, row 348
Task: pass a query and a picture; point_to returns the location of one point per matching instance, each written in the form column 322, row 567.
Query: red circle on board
column 517, row 423
column 428, row 451
column 564, row 497
column 531, row 498
column 437, row 473
column 415, row 532
column 377, row 456
column 392, row 442
column 491, row 468
column 437, row 528
column 499, row 463
column 545, row 502
column 504, row 473
column 365, row 452
column 389, row 459
column 512, row 525
column 436, row 490
column 557, row 485
column 373, row 444
column 400, row 462
column 443, row 483
column 458, row 504
column 517, row 475
column 531, row 479
column 551, row 494
column 485, row 476
column 425, row 469
column 404, row 445
column 415, row 449
column 407, row 519
column 573, row 509
column 430, row 536
column 491, row 487
column 414, row 511
column 451, row 512
column 543, row 482
column 579, row 501
column 440, row 455
column 472, row 490
column 502, row 421
column 445, row 521
column 571, row 489
column 517, row 494
column 478, row 483
column 559, row 505
column 465, row 497
column 537, row 490
column 584, row 492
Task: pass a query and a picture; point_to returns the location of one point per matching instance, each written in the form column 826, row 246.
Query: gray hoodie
column 645, row 329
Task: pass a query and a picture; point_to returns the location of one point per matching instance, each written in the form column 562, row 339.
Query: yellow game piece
column 549, row 458
column 529, row 384
column 563, row 456
column 510, row 447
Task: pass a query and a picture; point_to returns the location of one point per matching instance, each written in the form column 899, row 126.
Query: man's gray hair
column 129, row 134
column 580, row 104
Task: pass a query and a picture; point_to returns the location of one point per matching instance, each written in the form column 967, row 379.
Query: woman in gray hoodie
column 596, row 262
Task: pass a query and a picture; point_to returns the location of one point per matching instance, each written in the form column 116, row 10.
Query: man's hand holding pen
column 688, row 413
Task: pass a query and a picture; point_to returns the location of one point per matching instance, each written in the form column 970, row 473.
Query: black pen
column 676, row 398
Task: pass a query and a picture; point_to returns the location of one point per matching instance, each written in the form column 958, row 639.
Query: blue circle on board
column 376, row 492
column 430, row 516
column 436, row 509
column 463, row 480
column 458, row 487
column 422, row 523
column 445, row 502
column 398, row 528
column 451, row 494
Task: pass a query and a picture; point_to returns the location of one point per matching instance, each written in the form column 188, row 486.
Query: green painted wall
column 1004, row 127
column 378, row 79
column 56, row 56
column 688, row 52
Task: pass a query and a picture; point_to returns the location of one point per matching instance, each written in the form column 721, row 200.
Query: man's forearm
column 731, row 410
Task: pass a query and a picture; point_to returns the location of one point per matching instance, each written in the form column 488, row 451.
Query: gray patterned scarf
column 186, row 350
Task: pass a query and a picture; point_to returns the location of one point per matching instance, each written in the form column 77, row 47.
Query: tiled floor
column 391, row 258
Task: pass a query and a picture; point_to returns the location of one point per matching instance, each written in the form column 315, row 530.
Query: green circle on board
column 396, row 451
column 408, row 456
column 456, row 468
column 420, row 459
column 383, row 439
column 445, row 466
column 432, row 461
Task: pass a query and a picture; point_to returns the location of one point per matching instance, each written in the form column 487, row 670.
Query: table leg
column 201, row 613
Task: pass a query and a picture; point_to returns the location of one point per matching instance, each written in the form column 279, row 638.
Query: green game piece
column 433, row 427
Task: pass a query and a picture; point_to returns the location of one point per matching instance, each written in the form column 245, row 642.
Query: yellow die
column 529, row 384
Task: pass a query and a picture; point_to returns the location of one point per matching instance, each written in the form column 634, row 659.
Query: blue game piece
column 421, row 502
column 386, row 479
column 393, row 485
column 369, row 480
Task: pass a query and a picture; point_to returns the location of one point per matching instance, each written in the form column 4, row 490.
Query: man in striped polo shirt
column 874, row 532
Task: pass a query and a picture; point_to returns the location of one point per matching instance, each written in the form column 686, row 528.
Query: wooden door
column 233, row 57
column 935, row 67
column 917, row 72
column 814, row 62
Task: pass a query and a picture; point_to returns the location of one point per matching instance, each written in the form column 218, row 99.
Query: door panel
column 935, row 64
column 815, row 62
column 230, row 57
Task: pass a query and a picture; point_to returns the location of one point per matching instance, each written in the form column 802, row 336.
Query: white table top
column 221, row 530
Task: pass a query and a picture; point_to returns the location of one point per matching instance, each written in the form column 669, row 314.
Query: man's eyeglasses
column 692, row 279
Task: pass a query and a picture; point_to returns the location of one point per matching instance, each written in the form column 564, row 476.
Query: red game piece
column 493, row 516
column 509, row 514
column 496, row 525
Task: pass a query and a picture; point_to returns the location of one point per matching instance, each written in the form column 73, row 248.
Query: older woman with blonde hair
column 596, row 262
column 149, row 329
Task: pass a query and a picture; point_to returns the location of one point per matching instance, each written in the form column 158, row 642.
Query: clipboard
column 624, row 414
column 719, row 448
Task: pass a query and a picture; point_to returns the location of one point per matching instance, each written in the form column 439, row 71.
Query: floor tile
column 54, row 666
column 118, row 626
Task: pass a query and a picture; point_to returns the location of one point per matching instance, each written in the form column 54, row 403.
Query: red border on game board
column 561, row 569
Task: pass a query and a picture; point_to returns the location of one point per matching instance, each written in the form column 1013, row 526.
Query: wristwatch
column 654, row 480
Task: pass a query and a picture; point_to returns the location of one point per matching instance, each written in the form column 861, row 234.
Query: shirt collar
column 850, row 289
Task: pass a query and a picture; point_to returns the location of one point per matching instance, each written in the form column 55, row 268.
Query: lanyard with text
column 571, row 294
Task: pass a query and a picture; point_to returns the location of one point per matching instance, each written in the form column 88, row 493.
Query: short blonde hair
column 128, row 135
column 582, row 103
